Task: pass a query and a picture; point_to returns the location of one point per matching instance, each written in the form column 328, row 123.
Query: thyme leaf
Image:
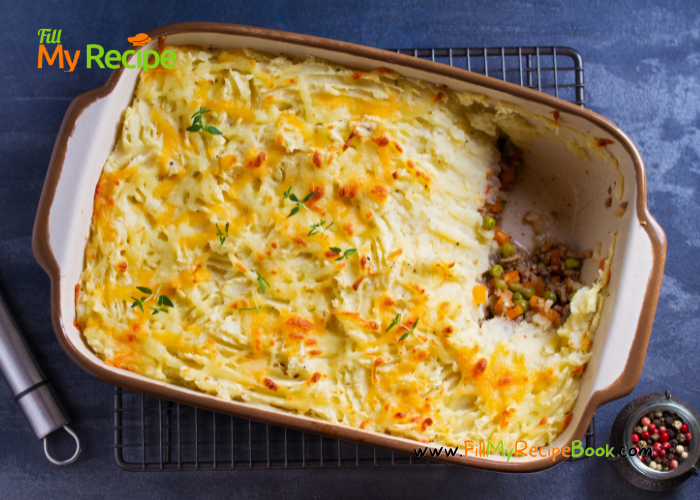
column 222, row 234
column 396, row 321
column 319, row 228
column 262, row 281
column 288, row 195
column 198, row 123
column 343, row 255
column 163, row 302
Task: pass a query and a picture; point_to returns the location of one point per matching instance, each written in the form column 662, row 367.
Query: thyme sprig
column 299, row 203
column 396, row 321
column 222, row 235
column 343, row 255
column 262, row 281
column 257, row 307
column 319, row 228
column 163, row 301
column 198, row 123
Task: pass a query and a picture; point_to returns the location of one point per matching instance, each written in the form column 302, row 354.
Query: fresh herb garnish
column 299, row 203
column 257, row 307
column 345, row 254
column 222, row 235
column 319, row 228
column 262, row 281
column 163, row 301
column 396, row 321
column 198, row 123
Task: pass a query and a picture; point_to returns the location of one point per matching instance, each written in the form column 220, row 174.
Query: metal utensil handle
column 29, row 386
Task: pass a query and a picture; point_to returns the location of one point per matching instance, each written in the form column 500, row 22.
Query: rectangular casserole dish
column 89, row 132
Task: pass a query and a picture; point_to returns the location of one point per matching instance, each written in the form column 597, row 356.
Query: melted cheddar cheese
column 401, row 168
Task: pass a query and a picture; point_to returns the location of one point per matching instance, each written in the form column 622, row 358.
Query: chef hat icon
column 139, row 40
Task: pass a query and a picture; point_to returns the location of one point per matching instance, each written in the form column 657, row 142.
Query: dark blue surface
column 642, row 68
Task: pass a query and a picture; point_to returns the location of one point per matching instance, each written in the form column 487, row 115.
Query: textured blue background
column 642, row 62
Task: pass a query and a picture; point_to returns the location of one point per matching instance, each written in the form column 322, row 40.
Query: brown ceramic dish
column 88, row 134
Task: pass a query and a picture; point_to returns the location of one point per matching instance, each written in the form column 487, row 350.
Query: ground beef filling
column 520, row 287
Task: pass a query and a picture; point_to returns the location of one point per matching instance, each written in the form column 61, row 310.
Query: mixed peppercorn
column 667, row 436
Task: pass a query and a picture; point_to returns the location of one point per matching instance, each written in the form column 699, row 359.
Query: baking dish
column 560, row 181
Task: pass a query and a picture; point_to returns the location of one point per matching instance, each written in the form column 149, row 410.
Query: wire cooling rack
column 151, row 434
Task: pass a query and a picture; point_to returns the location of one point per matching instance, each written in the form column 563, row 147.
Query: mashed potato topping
column 324, row 254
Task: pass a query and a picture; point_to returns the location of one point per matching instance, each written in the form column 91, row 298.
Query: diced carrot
column 496, row 207
column 500, row 236
column 553, row 317
column 601, row 266
column 514, row 313
column 511, row 277
column 569, row 285
column 479, row 294
column 492, row 283
column 504, row 302
column 555, row 257
column 528, row 284
column 539, row 286
column 537, row 303
column 507, row 176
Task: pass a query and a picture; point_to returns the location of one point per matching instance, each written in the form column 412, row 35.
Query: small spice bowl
column 634, row 469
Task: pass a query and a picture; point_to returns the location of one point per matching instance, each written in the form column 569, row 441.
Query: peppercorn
column 638, row 430
column 656, row 422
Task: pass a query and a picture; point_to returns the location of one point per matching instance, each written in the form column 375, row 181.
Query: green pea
column 527, row 293
column 523, row 305
column 507, row 250
column 501, row 285
column 488, row 223
column 515, row 287
column 519, row 263
column 542, row 264
column 549, row 295
column 496, row 271
column 517, row 296
column 571, row 296
column 572, row 263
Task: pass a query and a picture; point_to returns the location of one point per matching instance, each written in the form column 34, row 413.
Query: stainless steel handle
column 29, row 386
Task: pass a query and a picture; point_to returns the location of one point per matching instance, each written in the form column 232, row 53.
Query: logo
column 522, row 449
column 139, row 40
column 95, row 54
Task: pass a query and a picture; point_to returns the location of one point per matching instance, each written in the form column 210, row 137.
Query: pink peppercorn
column 684, row 428
column 646, row 435
column 688, row 436
column 663, row 437
column 635, row 438
column 646, row 421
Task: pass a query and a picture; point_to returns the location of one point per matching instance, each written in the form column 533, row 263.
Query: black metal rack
column 151, row 434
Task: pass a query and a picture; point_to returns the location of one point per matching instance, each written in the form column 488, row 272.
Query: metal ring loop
column 71, row 459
